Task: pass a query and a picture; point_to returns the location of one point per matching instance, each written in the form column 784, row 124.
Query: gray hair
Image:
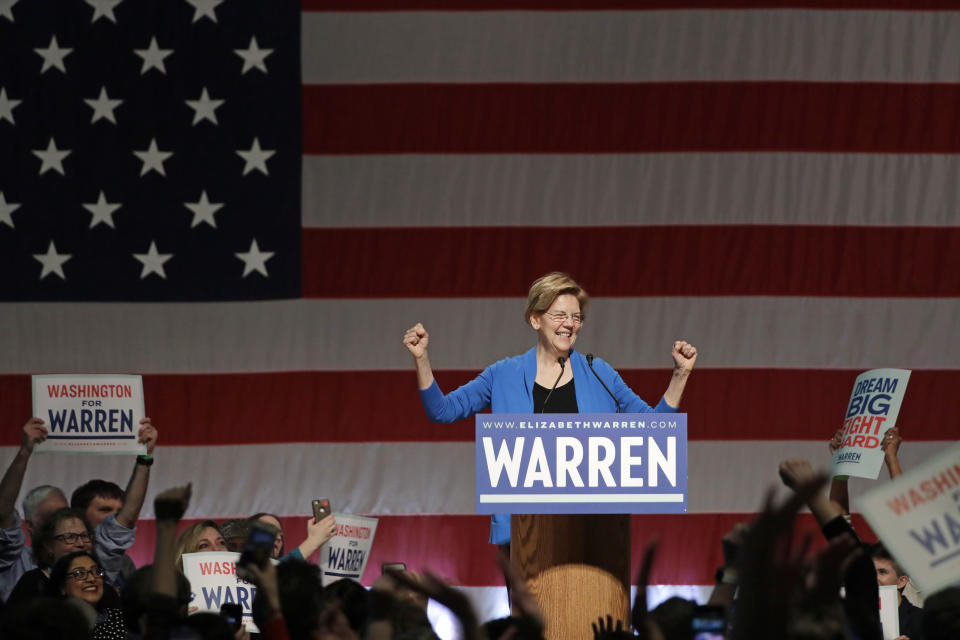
column 37, row 495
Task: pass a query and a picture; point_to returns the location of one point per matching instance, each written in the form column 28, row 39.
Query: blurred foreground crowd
column 75, row 580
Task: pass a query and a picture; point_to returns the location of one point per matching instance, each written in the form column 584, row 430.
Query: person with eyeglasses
column 113, row 523
column 78, row 575
column 549, row 378
column 62, row 533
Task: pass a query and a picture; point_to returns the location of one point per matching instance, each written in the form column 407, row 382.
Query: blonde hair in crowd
column 189, row 540
column 545, row 290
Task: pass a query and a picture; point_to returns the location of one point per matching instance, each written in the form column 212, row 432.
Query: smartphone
column 233, row 613
column 392, row 566
column 321, row 509
column 258, row 548
column 709, row 623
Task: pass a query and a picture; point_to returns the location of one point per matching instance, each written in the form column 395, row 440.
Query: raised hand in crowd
column 769, row 563
column 136, row 491
column 169, row 507
column 728, row 578
column 34, row 431
column 606, row 630
column 643, row 625
column 453, row 599
column 839, row 489
column 891, row 446
column 317, row 535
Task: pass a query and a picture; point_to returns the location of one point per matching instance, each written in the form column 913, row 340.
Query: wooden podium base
column 576, row 566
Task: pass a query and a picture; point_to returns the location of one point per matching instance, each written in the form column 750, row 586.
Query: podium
column 575, row 474
column 577, row 566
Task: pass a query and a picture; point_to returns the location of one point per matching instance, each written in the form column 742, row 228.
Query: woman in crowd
column 317, row 534
column 78, row 575
column 62, row 533
column 201, row 536
column 551, row 377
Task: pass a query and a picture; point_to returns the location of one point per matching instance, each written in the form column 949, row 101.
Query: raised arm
column 139, row 479
column 34, row 431
column 416, row 339
column 684, row 357
column 797, row 473
column 891, row 446
column 317, row 534
column 839, row 491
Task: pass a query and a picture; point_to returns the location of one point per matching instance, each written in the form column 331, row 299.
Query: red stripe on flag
column 336, row 406
column 456, row 548
column 600, row 5
column 653, row 117
column 734, row 260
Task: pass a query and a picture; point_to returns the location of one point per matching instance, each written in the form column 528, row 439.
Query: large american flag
column 774, row 181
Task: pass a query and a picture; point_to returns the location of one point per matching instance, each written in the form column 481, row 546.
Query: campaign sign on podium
column 581, row 463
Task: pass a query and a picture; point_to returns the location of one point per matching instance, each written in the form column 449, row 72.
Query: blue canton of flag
column 149, row 149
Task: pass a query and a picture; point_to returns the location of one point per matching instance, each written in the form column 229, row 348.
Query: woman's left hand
column 684, row 356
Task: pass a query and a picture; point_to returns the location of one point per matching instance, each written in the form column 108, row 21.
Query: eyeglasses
column 71, row 538
column 80, row 574
column 561, row 316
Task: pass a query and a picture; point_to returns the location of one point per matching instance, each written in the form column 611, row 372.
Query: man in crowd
column 112, row 536
column 890, row 573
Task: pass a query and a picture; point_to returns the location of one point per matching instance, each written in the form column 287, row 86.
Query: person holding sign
column 112, row 536
column 551, row 377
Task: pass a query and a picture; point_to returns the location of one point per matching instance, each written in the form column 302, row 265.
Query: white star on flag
column 253, row 56
column 102, row 211
column 203, row 210
column 255, row 158
column 5, row 8
column 53, row 56
column 153, row 57
column 103, row 107
column 7, row 105
column 51, row 158
column 103, row 9
column 152, row 261
column 153, row 158
column 204, row 108
column 255, row 260
column 204, row 9
column 52, row 262
column 7, row 209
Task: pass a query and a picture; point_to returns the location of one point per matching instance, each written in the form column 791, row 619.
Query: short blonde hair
column 544, row 291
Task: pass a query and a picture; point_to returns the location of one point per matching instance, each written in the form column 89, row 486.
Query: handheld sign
column 345, row 555
column 873, row 409
column 889, row 613
column 917, row 516
column 89, row 413
column 581, row 463
column 214, row 581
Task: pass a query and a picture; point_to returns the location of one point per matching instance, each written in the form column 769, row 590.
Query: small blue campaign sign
column 581, row 463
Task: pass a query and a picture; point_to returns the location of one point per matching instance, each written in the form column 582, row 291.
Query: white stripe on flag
column 624, row 46
column 354, row 334
column 630, row 189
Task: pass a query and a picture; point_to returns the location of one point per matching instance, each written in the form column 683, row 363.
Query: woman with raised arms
column 549, row 378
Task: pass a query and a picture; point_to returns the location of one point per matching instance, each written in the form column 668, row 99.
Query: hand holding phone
column 321, row 509
column 257, row 549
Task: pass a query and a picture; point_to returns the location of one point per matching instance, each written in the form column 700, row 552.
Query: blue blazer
column 507, row 387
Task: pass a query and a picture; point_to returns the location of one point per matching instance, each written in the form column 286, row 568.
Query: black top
column 563, row 400
column 911, row 618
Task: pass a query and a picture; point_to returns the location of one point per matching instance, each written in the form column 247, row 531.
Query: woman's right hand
column 416, row 339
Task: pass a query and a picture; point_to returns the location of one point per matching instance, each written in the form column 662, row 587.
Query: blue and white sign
column 581, row 463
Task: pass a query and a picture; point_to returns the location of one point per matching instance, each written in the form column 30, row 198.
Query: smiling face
column 88, row 588
column 558, row 326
